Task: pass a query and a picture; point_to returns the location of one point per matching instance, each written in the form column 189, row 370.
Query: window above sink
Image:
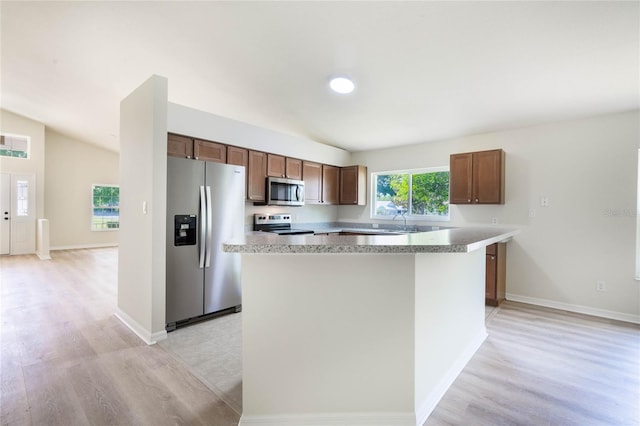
column 419, row 194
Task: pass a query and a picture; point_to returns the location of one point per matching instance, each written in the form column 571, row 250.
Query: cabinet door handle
column 469, row 200
column 477, row 200
column 493, row 258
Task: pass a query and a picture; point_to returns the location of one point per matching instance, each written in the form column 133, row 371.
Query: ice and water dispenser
column 185, row 229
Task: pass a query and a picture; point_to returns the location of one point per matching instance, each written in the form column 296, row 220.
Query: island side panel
column 450, row 331
column 328, row 335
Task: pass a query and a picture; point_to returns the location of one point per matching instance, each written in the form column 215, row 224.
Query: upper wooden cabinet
column 353, row 185
column 324, row 184
column 285, row 167
column 185, row 147
column 237, row 156
column 256, row 176
column 321, row 183
column 179, row 146
column 209, row 151
column 276, row 165
column 330, row 184
column 293, row 168
column 312, row 176
column 477, row 177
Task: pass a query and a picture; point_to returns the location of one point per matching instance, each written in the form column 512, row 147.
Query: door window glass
column 22, row 198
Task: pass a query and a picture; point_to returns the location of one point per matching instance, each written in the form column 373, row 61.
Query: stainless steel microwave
column 285, row 192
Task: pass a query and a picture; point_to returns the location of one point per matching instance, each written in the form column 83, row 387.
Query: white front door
column 5, row 213
column 23, row 214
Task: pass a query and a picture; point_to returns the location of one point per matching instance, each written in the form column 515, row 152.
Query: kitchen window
column 15, row 146
column 419, row 194
column 105, row 207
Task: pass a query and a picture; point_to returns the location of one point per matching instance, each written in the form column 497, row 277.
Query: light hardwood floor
column 66, row 360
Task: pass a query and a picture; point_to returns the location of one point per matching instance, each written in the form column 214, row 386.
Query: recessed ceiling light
column 342, row 85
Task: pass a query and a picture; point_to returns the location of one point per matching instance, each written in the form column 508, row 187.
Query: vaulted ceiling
column 424, row 71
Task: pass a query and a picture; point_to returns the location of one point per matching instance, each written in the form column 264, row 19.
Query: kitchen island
column 358, row 330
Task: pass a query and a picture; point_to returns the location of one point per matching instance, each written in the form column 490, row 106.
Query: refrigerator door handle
column 209, row 227
column 203, row 228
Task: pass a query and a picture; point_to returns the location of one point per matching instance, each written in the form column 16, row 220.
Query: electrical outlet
column 532, row 212
column 494, row 220
column 544, row 201
column 374, row 225
column 601, row 286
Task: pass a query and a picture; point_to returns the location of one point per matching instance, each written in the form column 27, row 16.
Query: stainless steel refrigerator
column 205, row 208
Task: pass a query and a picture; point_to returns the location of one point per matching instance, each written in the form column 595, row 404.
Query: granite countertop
column 453, row 240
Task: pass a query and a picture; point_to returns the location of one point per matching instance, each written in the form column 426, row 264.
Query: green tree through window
column 422, row 193
column 106, row 207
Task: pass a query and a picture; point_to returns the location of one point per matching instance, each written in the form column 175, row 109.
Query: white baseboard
column 337, row 419
column 43, row 256
column 603, row 313
column 84, row 246
column 146, row 336
column 432, row 400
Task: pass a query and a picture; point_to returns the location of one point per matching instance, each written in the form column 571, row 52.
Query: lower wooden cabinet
column 496, row 274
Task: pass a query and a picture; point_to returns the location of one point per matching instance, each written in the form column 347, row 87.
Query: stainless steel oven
column 277, row 223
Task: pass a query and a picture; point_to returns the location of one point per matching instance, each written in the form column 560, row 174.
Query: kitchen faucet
column 402, row 213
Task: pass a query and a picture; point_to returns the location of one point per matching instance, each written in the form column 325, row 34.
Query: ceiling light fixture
column 342, row 85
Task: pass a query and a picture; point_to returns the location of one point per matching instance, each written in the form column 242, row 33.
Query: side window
column 106, row 207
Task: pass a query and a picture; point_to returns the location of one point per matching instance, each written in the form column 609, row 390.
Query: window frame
column 27, row 151
column 410, row 172
column 93, row 206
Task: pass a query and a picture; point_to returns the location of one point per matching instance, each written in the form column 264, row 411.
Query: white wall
column 143, row 179
column 35, row 164
column 191, row 122
column 588, row 170
column 71, row 167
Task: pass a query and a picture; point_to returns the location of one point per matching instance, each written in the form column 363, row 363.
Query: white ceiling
column 424, row 70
